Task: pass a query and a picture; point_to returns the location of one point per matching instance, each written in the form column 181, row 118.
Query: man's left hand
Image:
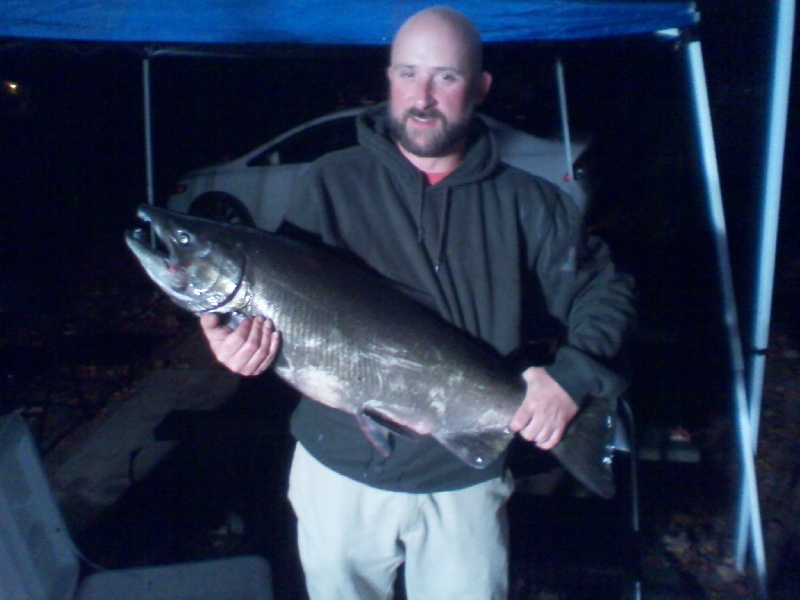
column 545, row 412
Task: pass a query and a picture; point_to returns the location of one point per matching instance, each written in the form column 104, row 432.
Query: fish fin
column 387, row 423
column 377, row 434
column 586, row 449
column 478, row 450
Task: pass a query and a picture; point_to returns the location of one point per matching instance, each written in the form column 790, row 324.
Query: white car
column 254, row 189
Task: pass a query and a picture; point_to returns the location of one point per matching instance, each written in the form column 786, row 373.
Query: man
column 425, row 200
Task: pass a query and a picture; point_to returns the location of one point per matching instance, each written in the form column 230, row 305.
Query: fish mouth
column 156, row 251
column 148, row 236
column 154, row 232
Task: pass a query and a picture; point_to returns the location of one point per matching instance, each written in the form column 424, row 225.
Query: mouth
column 140, row 235
column 155, row 249
column 149, row 237
column 427, row 117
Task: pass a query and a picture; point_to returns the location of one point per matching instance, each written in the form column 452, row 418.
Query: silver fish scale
column 386, row 364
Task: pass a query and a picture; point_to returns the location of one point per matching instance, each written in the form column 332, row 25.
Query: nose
column 423, row 93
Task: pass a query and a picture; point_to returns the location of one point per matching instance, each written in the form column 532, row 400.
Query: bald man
column 425, row 200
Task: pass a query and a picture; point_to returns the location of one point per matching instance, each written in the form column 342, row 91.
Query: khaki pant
column 352, row 537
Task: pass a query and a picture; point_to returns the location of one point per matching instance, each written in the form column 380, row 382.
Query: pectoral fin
column 377, row 434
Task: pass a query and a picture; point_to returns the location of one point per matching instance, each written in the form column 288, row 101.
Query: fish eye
column 183, row 238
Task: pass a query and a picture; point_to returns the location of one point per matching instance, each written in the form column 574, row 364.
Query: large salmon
column 353, row 342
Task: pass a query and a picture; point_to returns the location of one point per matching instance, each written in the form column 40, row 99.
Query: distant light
column 12, row 87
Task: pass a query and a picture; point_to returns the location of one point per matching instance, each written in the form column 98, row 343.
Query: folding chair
column 39, row 560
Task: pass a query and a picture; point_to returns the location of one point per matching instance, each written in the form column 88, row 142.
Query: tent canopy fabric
column 351, row 22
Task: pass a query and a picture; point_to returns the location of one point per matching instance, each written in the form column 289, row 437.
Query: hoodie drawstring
column 444, row 217
column 443, row 230
column 420, row 215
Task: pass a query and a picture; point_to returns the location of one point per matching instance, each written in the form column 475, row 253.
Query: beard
column 433, row 143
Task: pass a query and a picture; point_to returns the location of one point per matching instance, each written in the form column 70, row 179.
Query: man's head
column 435, row 81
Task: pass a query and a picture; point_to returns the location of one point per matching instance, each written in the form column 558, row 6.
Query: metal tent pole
column 770, row 208
column 731, row 321
column 562, row 104
column 148, row 133
column 771, row 201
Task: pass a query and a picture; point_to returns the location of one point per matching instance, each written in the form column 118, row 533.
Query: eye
column 183, row 238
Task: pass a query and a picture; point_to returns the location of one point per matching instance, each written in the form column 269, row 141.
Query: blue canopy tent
column 158, row 25
column 321, row 22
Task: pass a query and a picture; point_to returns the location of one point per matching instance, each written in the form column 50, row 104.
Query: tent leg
column 771, row 201
column 563, row 109
column 768, row 235
column 714, row 196
column 148, row 132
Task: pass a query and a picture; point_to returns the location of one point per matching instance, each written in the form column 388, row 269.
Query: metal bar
column 771, row 201
column 562, row 104
column 731, row 321
column 148, row 132
column 770, row 209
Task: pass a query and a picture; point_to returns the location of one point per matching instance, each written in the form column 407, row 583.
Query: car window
column 309, row 144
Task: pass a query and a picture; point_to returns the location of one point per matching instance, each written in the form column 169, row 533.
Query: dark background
column 72, row 159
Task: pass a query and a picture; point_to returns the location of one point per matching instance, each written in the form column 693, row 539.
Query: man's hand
column 247, row 350
column 545, row 412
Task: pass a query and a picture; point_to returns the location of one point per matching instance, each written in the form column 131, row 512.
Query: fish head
column 196, row 262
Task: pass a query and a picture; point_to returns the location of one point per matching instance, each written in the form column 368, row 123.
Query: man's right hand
column 247, row 350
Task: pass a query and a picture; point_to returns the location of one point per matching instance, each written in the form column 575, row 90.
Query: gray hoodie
column 494, row 250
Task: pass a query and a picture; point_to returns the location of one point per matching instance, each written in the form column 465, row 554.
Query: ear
column 482, row 84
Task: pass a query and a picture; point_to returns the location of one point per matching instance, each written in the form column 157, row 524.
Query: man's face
column 433, row 90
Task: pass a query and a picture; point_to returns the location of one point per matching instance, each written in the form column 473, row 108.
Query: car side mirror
column 274, row 158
